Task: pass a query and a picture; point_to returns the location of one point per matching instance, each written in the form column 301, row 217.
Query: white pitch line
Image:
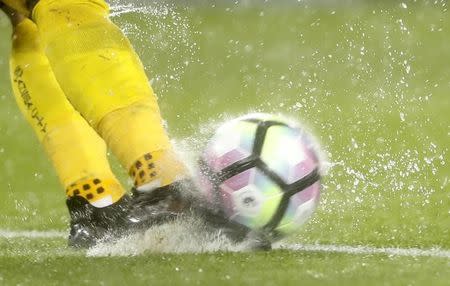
column 4, row 233
column 346, row 249
column 361, row 250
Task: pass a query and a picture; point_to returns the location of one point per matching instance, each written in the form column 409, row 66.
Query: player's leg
column 19, row 6
column 77, row 152
column 104, row 79
column 14, row 15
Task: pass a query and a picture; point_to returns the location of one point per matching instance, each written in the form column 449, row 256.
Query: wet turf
column 371, row 82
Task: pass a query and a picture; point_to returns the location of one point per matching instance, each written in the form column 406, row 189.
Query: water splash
column 160, row 33
column 185, row 235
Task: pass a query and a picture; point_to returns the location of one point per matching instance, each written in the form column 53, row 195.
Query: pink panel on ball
column 311, row 192
column 304, row 167
column 227, row 202
column 219, row 163
column 239, row 181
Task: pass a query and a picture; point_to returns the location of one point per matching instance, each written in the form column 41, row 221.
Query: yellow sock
column 77, row 152
column 104, row 79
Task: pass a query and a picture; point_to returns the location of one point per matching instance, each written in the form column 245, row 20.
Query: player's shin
column 136, row 135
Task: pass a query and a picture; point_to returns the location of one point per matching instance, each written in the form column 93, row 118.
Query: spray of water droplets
column 162, row 37
column 353, row 91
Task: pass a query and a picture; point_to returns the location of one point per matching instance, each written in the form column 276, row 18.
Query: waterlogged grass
column 52, row 264
column 371, row 82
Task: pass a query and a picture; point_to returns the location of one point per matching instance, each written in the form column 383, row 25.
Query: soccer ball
column 262, row 172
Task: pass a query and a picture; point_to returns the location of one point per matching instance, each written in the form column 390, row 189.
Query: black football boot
column 89, row 225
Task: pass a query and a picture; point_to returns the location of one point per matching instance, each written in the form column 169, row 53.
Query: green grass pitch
column 371, row 81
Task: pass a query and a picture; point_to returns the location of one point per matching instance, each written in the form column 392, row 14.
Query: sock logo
column 27, row 100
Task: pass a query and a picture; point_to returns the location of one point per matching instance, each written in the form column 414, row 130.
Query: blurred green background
column 370, row 79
